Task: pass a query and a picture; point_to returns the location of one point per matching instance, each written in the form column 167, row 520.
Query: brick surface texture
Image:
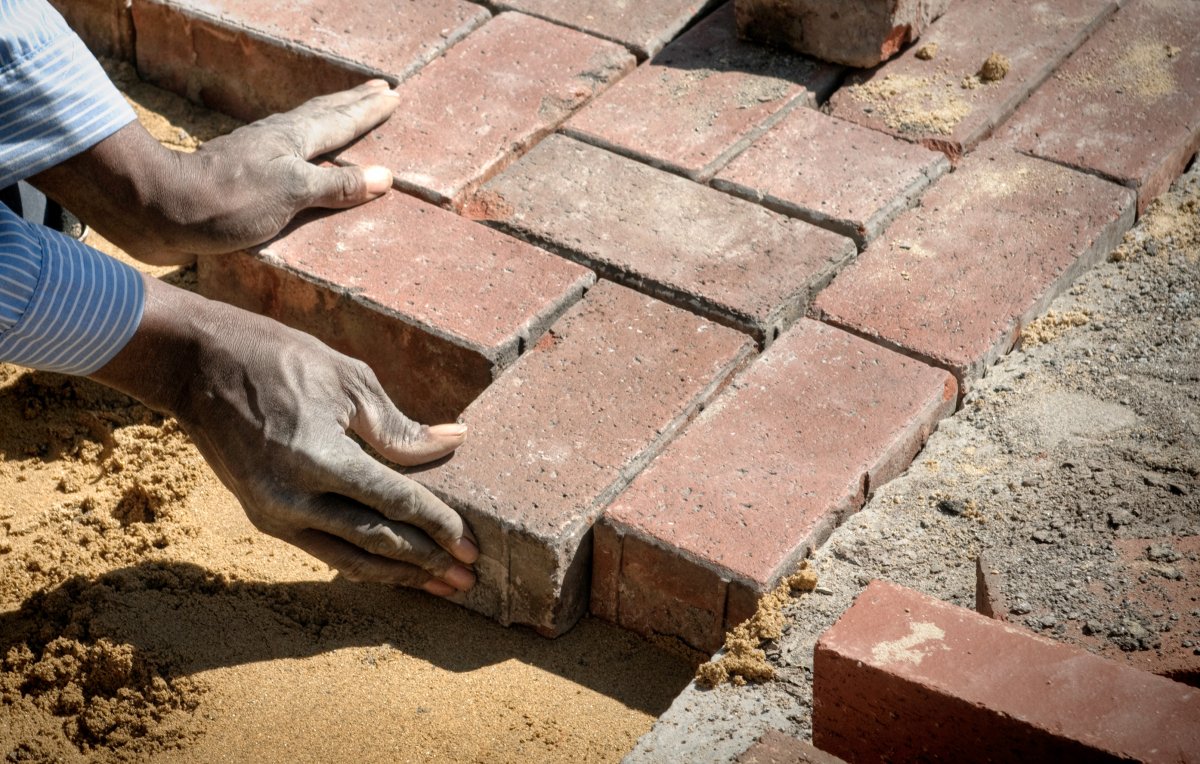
column 105, row 26
column 1122, row 106
column 253, row 58
column 762, row 477
column 436, row 304
column 513, row 81
column 955, row 279
column 564, row 430
column 902, row 676
column 775, row 747
column 853, row 32
column 728, row 259
column 643, row 26
column 685, row 114
column 832, row 173
column 941, row 102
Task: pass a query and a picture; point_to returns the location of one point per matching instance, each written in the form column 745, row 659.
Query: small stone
column 1031, row 481
column 1020, row 608
column 1161, row 553
column 1043, row 537
column 995, row 68
column 1091, row 628
column 1119, row 517
column 954, row 507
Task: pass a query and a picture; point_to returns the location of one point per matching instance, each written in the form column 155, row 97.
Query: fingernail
column 377, row 84
column 460, row 578
column 439, row 588
column 377, row 179
column 453, row 430
column 465, row 550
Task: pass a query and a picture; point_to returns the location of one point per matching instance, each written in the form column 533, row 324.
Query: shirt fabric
column 63, row 306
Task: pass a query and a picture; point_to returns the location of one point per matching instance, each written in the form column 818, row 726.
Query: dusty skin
column 142, row 617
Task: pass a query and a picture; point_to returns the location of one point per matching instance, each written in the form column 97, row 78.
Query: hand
column 270, row 408
column 241, row 189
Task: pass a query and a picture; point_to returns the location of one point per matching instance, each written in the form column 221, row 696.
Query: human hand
column 270, row 408
column 235, row 191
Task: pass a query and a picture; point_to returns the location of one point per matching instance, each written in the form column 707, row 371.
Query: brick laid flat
column 1127, row 105
column 565, row 429
column 762, row 477
column 702, row 100
column 643, row 26
column 933, row 101
column 775, row 747
column 105, row 26
column 832, row 173
column 955, row 279
column 492, row 97
column 436, row 304
column 726, row 258
column 250, row 58
column 902, row 676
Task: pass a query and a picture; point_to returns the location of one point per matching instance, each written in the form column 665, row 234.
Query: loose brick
column 835, row 174
column 762, row 477
column 902, row 676
column 730, row 260
column 774, row 747
column 1127, row 104
column 643, row 26
column 436, row 304
column 852, row 32
column 955, row 279
column 702, row 100
column 941, row 102
column 250, row 58
column 562, row 432
column 105, row 26
column 490, row 99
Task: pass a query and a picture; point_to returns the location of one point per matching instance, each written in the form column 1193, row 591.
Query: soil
column 142, row 616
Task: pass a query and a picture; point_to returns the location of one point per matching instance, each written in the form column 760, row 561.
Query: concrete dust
column 1052, row 326
column 1142, row 69
column 913, row 105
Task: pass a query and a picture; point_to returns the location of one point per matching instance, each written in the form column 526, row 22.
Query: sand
column 143, row 617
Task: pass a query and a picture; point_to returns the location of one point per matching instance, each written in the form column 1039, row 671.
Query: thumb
column 339, row 187
column 400, row 439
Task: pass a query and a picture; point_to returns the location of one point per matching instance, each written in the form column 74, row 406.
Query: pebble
column 1043, row 537
column 1020, row 608
column 1119, row 517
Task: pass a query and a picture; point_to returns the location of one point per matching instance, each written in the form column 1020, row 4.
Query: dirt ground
column 142, row 616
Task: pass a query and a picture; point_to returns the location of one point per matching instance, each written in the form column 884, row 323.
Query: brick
column 832, row 173
column 989, row 590
column 105, row 26
column 926, row 101
column 763, row 476
column 955, row 279
column 486, row 102
column 702, row 100
column 250, row 58
column 853, row 32
column 436, row 304
column 562, row 432
column 730, row 260
column 1127, row 105
column 775, row 747
column 643, row 26
column 902, row 676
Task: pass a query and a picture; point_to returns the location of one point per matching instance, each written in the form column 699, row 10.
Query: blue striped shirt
column 63, row 306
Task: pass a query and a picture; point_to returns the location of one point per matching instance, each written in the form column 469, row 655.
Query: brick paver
column 105, row 26
column 775, row 747
column 729, row 259
column 761, row 478
column 934, row 102
column 832, row 173
column 991, row 244
column 643, row 26
column 902, row 676
column 492, row 97
column 1125, row 106
column 702, row 100
column 249, row 58
column 564, row 430
column 436, row 304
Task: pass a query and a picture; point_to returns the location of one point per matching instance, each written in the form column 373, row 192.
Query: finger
column 341, row 187
column 377, row 421
column 357, row 565
column 329, row 122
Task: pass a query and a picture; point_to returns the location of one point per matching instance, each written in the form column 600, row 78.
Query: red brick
column 902, row 677
column 250, row 58
column 774, row 747
column 562, row 432
column 643, row 26
column 733, row 261
column 765, row 474
column 925, row 100
column 105, row 26
column 991, row 244
column 436, row 304
column 833, row 173
column 702, row 100
column 852, row 32
column 1127, row 104
column 490, row 99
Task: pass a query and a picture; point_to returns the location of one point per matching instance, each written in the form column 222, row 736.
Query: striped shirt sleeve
column 63, row 306
column 55, row 100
